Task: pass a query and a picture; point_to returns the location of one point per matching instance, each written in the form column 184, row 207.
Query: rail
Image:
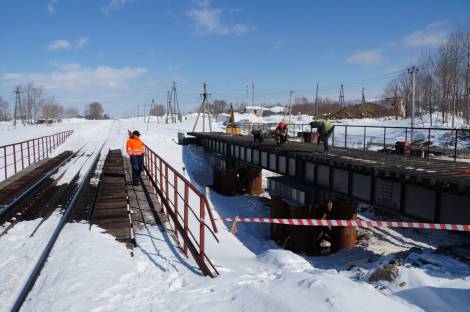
column 17, row 156
column 452, row 142
column 70, row 206
column 176, row 192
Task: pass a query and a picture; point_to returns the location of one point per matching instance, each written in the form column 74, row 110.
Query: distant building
column 256, row 110
column 277, row 109
column 398, row 104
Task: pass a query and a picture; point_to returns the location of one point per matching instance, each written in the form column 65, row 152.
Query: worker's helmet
column 135, row 132
column 281, row 125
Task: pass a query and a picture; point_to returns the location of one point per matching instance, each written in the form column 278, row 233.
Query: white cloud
column 59, row 44
column 208, row 21
column 114, row 5
column 62, row 44
column 70, row 77
column 81, row 42
column 431, row 36
column 51, row 6
column 367, row 57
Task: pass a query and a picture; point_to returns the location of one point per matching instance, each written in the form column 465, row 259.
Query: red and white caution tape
column 354, row 223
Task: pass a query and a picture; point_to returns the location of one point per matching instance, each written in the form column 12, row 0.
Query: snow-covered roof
column 277, row 109
column 255, row 107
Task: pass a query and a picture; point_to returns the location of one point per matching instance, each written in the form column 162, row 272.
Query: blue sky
column 126, row 52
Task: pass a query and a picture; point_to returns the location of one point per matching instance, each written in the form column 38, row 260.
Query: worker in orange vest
column 135, row 150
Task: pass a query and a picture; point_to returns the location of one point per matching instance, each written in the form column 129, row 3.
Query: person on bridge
column 280, row 134
column 324, row 129
column 135, row 150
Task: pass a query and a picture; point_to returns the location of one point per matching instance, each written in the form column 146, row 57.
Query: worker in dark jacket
column 324, row 238
column 135, row 150
column 259, row 135
column 324, row 129
column 280, row 134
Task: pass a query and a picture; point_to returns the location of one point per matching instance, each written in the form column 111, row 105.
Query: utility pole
column 396, row 101
column 168, row 105
column 138, row 111
column 363, row 96
column 205, row 110
column 289, row 106
column 412, row 70
column 316, row 102
column 252, row 93
column 341, row 97
column 17, row 104
column 176, row 106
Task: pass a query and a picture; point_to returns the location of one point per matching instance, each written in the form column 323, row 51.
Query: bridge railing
column 17, row 156
column 450, row 142
column 186, row 207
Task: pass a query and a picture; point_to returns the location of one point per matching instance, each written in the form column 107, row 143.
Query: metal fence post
column 455, row 144
column 22, row 156
column 201, row 228
column 429, row 141
column 29, row 155
column 5, row 155
column 333, row 137
column 186, row 215
column 364, row 144
column 385, row 136
column 175, row 198
column 345, row 136
column 14, row 157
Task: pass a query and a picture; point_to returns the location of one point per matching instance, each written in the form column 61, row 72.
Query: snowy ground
column 90, row 271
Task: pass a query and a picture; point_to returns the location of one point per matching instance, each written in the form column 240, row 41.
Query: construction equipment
column 232, row 127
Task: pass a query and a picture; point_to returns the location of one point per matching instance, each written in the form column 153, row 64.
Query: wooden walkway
column 144, row 206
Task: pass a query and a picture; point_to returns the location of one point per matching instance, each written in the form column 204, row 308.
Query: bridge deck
column 448, row 175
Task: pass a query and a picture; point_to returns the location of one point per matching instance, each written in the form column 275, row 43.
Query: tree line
column 442, row 82
column 35, row 105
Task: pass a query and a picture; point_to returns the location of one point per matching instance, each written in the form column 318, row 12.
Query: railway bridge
column 425, row 189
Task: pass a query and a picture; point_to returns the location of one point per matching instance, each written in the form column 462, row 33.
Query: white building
column 256, row 110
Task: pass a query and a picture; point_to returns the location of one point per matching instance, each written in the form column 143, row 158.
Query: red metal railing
column 17, row 156
column 185, row 206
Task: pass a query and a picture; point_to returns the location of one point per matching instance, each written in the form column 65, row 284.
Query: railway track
column 36, row 194
column 111, row 209
column 48, row 198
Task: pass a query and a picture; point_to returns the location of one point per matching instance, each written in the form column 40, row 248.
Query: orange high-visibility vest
column 135, row 147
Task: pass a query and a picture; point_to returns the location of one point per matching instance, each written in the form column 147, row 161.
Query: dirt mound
column 367, row 110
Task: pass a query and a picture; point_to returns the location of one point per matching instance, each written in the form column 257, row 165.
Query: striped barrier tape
column 354, row 223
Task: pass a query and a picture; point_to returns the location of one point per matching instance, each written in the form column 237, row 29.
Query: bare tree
column 94, row 111
column 443, row 79
column 32, row 101
column 158, row 110
column 51, row 110
column 218, row 107
column 3, row 109
column 71, row 112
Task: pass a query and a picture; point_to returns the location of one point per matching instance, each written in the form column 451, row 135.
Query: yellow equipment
column 232, row 127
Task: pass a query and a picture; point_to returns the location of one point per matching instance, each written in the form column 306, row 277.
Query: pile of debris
column 367, row 110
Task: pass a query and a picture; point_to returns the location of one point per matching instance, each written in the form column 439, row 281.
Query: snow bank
column 89, row 271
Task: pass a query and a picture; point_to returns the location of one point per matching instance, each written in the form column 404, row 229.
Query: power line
column 205, row 110
column 341, row 97
column 413, row 70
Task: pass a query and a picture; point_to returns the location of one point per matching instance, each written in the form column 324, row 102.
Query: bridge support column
column 226, row 181
column 251, row 180
column 245, row 180
column 306, row 239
